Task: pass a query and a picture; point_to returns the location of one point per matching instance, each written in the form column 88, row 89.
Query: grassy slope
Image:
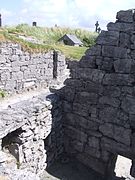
column 49, row 37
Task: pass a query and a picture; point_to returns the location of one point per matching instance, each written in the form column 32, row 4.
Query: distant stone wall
column 31, row 135
column 99, row 99
column 20, row 71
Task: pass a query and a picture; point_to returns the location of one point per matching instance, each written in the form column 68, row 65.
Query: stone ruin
column 99, row 111
column 91, row 118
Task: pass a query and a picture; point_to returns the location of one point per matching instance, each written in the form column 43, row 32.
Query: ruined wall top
column 21, row 71
column 101, row 117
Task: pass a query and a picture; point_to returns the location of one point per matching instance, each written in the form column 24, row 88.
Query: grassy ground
column 49, row 38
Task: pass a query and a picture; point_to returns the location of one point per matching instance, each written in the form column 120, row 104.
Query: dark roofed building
column 71, row 40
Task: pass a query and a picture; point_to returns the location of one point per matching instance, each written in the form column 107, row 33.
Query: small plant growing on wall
column 2, row 93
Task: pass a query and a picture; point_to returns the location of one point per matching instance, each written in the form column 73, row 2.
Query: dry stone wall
column 99, row 100
column 31, row 135
column 21, row 70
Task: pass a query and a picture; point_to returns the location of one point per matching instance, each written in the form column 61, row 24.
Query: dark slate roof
column 74, row 39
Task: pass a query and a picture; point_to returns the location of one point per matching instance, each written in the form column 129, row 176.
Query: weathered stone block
column 113, row 115
column 88, row 61
column 92, row 87
column 123, row 65
column 122, row 27
column 86, row 98
column 125, row 16
column 17, row 75
column 124, row 40
column 113, row 146
column 105, row 100
column 128, row 104
column 94, row 142
column 94, row 51
column 117, row 133
column 118, row 79
column 110, row 38
column 115, row 52
column 107, row 64
column 81, row 109
column 92, row 125
column 94, row 152
column 76, row 134
column 111, row 91
column 93, row 75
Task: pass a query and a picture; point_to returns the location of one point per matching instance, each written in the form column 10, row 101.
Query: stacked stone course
column 99, row 114
column 31, row 131
column 21, row 70
column 91, row 118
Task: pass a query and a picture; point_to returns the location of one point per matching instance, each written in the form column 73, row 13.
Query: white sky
column 69, row 13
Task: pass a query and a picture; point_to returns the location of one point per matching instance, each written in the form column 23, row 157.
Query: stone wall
column 99, row 99
column 31, row 135
column 21, row 70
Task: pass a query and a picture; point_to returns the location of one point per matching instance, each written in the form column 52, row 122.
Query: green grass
column 72, row 52
column 49, row 37
column 2, row 93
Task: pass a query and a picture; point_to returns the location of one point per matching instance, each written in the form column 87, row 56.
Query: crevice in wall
column 11, row 143
column 55, row 66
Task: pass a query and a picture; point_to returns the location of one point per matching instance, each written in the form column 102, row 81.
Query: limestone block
column 128, row 104
column 109, row 101
column 123, row 65
column 93, row 75
column 94, row 142
column 5, row 75
column 111, row 91
column 118, row 79
column 92, row 125
column 76, row 134
column 86, row 98
column 94, row 152
column 92, row 87
column 120, row 26
column 113, row 146
column 132, row 120
column 88, row 61
column 81, row 109
column 17, row 75
column 108, row 38
column 3, row 59
column 67, row 107
column 94, row 51
column 125, row 40
column 125, row 16
column 77, row 145
column 14, row 58
column 114, row 52
column 117, row 133
column 107, row 64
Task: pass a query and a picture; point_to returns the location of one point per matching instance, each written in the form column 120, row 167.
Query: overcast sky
column 69, row 13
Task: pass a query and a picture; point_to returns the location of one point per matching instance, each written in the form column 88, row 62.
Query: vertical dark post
column 55, row 63
column 97, row 24
column 34, row 24
column 0, row 21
